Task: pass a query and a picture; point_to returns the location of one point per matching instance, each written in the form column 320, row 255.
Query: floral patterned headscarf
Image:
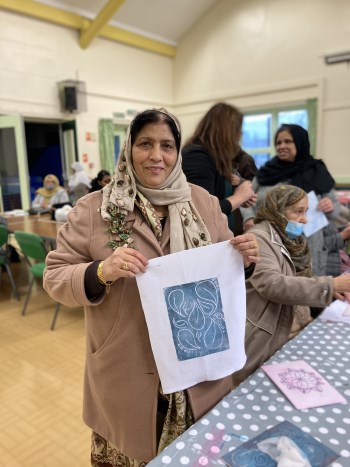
column 272, row 209
column 187, row 228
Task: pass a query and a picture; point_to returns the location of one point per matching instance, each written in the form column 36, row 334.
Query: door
column 14, row 179
column 69, row 148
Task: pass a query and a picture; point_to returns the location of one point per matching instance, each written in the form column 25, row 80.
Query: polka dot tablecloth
column 257, row 405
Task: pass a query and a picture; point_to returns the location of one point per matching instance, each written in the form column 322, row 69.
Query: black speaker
column 70, row 98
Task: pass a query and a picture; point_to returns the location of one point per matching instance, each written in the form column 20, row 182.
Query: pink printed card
column 302, row 384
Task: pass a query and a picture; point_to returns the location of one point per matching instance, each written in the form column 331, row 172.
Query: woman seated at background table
column 151, row 211
column 49, row 195
column 282, row 288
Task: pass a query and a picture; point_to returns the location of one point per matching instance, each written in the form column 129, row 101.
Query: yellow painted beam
column 74, row 21
column 45, row 12
column 136, row 40
column 99, row 22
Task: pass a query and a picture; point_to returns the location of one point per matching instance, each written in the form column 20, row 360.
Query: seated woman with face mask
column 282, row 288
column 49, row 195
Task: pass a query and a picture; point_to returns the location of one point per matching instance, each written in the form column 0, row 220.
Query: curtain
column 311, row 106
column 106, row 144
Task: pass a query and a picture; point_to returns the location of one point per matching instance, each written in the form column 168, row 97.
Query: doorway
column 29, row 150
column 44, row 153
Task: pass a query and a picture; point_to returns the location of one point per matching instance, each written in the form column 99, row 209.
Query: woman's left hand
column 326, row 205
column 247, row 245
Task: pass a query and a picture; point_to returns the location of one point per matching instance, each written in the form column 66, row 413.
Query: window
column 259, row 129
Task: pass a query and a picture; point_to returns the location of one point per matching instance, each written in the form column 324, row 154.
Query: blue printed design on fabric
column 196, row 318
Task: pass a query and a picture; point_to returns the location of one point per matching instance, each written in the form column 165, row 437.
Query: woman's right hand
column 248, row 224
column 235, row 180
column 242, row 194
column 123, row 262
column 244, row 191
column 342, row 287
column 345, row 233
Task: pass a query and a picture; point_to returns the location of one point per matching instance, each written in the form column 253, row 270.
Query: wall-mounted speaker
column 70, row 98
column 72, row 95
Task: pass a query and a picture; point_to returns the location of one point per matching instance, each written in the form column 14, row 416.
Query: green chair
column 5, row 257
column 33, row 248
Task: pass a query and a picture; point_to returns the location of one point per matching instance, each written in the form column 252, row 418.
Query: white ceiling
column 164, row 20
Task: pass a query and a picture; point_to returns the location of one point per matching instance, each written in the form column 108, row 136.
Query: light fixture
column 341, row 57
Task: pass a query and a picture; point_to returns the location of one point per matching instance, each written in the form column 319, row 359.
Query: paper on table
column 337, row 311
column 316, row 219
column 195, row 307
column 302, row 384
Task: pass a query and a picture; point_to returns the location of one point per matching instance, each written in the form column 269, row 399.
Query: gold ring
column 125, row 266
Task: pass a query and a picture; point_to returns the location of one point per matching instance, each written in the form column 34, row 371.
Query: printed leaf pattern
column 196, row 318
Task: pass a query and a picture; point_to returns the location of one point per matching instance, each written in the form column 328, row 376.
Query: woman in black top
column 213, row 159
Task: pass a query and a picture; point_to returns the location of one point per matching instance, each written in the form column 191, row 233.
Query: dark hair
column 95, row 186
column 218, row 131
column 155, row 116
column 102, row 173
column 300, row 138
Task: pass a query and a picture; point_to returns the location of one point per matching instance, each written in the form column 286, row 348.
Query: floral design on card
column 296, row 378
column 301, row 380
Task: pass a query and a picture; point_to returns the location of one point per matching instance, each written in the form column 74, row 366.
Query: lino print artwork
column 196, row 318
column 301, row 380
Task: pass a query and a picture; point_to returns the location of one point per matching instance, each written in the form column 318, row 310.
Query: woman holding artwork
column 149, row 210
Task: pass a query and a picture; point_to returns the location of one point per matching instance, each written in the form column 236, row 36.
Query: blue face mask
column 294, row 229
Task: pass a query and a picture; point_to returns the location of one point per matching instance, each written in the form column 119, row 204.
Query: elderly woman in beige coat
column 148, row 210
column 282, row 288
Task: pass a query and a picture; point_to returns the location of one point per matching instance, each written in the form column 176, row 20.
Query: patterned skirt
column 174, row 416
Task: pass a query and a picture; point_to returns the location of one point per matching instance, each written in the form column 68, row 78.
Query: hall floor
column 41, row 382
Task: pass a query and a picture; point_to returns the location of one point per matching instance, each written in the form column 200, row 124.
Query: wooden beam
column 74, row 21
column 45, row 12
column 136, row 40
column 107, row 12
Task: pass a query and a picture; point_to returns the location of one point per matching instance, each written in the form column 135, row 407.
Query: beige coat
column 121, row 378
column 272, row 295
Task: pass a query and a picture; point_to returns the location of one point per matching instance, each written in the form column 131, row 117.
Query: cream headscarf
column 187, row 229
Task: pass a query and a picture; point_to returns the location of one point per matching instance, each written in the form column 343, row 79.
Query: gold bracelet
column 101, row 279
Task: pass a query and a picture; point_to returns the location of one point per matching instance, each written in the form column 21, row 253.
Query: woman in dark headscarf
column 294, row 165
column 282, row 287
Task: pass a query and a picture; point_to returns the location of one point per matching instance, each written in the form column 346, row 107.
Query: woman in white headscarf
column 79, row 182
column 148, row 210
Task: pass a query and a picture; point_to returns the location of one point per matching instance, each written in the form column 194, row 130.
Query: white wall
column 251, row 53
column 35, row 55
column 258, row 53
